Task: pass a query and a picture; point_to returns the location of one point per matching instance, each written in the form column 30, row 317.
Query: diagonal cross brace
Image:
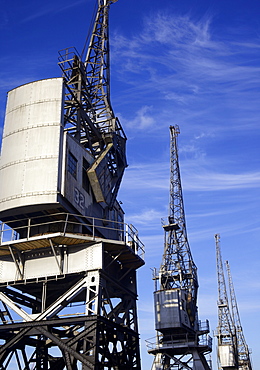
column 54, row 308
column 50, row 312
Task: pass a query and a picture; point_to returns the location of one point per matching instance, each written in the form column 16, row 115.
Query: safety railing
column 157, row 342
column 71, row 223
column 151, row 343
column 205, row 340
column 203, row 326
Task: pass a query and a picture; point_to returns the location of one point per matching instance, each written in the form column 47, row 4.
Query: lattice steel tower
column 243, row 353
column 182, row 340
column 233, row 352
column 226, row 332
column 67, row 260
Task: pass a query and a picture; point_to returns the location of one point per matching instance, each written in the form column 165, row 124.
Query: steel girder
column 42, row 328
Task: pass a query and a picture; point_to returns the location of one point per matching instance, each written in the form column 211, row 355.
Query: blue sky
column 193, row 63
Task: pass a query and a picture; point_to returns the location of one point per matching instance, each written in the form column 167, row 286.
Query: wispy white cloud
column 214, row 181
column 143, row 119
column 203, row 135
column 196, row 177
column 52, row 8
column 204, row 78
column 180, row 30
column 233, row 228
column 10, row 82
column 146, row 216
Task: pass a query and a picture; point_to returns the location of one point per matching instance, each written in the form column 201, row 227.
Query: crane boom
column 88, row 113
column 97, row 65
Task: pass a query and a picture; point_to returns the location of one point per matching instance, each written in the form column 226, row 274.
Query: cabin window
column 72, row 165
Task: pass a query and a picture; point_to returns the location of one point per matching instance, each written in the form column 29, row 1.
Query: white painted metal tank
column 31, row 155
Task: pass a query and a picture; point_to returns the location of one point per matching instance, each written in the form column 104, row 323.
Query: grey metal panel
column 41, row 266
column 32, row 145
column 8, row 271
column 85, row 258
column 72, row 187
column 170, row 310
column 42, row 263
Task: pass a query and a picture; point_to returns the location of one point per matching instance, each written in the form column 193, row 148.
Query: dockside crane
column 68, row 261
column 243, row 353
column 182, row 340
column 226, row 330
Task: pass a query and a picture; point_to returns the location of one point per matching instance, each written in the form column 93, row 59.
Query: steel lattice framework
column 98, row 68
column 244, row 361
column 88, row 114
column 182, row 340
column 178, row 269
column 226, row 331
column 102, row 336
